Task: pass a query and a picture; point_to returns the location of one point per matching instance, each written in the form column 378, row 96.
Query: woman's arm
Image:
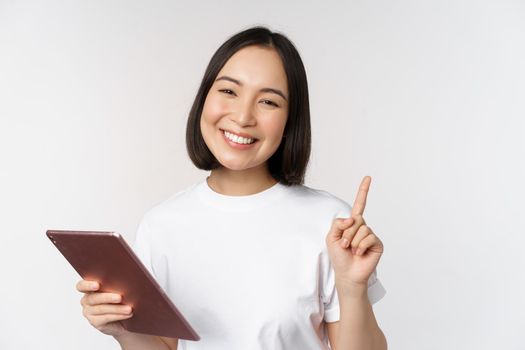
column 137, row 341
column 171, row 342
column 357, row 328
column 354, row 251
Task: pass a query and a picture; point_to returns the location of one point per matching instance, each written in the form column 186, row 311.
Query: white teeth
column 238, row 139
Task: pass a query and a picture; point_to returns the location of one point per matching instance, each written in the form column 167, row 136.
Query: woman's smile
column 237, row 142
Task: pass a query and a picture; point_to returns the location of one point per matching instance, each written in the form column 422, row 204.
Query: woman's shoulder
column 171, row 204
column 322, row 199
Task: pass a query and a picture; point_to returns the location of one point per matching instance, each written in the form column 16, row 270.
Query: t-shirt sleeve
column 329, row 296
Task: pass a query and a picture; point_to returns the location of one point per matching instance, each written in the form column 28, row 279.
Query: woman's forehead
column 256, row 66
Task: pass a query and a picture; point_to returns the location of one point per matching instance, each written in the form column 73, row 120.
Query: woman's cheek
column 215, row 107
column 275, row 124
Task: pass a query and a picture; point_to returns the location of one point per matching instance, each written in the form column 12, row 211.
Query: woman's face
column 246, row 99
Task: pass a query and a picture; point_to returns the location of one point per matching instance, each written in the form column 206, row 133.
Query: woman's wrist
column 136, row 341
column 348, row 289
column 123, row 337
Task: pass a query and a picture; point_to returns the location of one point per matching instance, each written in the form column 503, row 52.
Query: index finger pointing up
column 360, row 200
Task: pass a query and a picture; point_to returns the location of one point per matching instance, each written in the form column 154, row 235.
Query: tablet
column 105, row 257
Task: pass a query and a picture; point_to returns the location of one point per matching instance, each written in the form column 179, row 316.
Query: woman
column 252, row 257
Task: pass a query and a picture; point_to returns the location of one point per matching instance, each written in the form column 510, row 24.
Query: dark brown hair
column 289, row 162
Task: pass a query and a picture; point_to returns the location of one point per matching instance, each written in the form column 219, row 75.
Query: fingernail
column 358, row 251
column 345, row 243
column 116, row 298
column 94, row 286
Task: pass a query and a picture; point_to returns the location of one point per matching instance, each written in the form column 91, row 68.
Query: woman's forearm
column 137, row 341
column 358, row 328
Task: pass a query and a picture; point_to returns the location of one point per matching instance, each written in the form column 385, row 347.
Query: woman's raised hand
column 103, row 310
column 353, row 247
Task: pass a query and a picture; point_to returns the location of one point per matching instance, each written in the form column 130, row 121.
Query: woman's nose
column 244, row 115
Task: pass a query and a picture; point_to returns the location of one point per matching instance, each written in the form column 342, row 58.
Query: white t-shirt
column 248, row 272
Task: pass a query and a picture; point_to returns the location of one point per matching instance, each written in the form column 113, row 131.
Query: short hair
column 289, row 162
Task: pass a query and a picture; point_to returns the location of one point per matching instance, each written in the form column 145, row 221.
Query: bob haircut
column 289, row 162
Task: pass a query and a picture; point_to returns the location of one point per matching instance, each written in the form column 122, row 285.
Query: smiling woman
column 252, row 257
column 246, row 106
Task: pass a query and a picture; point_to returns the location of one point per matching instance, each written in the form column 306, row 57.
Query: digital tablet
column 105, row 257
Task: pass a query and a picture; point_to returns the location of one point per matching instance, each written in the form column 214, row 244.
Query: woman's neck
column 240, row 182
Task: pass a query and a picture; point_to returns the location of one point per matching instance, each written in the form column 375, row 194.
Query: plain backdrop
column 426, row 97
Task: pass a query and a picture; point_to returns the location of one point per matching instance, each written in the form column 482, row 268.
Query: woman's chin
column 234, row 165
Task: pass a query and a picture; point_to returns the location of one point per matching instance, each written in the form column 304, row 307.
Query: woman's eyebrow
column 267, row 89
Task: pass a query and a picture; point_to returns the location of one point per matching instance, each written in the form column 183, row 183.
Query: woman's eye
column 271, row 103
column 229, row 92
column 266, row 102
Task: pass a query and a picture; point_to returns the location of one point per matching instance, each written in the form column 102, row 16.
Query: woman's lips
column 241, row 134
column 235, row 145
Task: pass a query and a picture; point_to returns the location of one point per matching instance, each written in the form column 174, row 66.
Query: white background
column 427, row 97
